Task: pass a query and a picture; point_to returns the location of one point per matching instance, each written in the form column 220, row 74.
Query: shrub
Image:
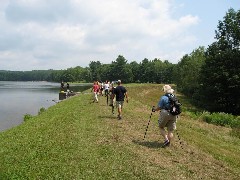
column 236, row 127
column 222, row 119
column 236, row 122
column 42, row 109
column 27, row 117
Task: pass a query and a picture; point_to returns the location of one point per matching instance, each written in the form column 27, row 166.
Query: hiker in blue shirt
column 166, row 119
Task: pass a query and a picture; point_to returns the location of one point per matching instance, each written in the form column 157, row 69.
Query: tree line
column 151, row 71
column 209, row 76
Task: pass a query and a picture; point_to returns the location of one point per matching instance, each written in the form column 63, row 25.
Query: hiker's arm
column 158, row 107
column 155, row 108
column 126, row 95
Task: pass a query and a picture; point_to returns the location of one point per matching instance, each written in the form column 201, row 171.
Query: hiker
column 68, row 90
column 95, row 90
column 100, row 85
column 120, row 92
column 62, row 86
column 112, row 98
column 106, row 88
column 68, row 87
column 166, row 119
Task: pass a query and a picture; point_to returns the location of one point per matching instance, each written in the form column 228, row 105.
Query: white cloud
column 42, row 34
column 188, row 20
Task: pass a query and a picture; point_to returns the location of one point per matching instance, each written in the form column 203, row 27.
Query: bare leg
column 96, row 97
column 163, row 133
column 170, row 135
column 119, row 110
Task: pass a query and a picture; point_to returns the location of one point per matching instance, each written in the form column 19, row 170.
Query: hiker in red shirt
column 95, row 90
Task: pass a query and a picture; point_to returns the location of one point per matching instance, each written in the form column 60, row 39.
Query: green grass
column 77, row 139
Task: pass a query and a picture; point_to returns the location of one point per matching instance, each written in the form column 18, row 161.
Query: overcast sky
column 59, row 34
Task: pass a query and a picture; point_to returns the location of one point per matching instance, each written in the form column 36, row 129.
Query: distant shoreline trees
column 147, row 71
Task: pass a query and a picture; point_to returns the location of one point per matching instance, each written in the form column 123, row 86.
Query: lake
column 20, row 98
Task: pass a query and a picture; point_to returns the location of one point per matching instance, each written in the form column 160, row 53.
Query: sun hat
column 167, row 89
column 119, row 81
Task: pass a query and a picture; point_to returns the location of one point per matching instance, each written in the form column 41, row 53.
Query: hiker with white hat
column 166, row 119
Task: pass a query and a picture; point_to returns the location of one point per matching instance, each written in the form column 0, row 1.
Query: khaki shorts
column 119, row 104
column 167, row 120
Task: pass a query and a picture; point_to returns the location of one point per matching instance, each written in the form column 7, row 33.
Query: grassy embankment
column 76, row 139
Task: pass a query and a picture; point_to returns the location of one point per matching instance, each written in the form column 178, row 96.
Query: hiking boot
column 166, row 143
column 119, row 117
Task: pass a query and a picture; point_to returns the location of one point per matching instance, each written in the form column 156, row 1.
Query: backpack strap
column 169, row 95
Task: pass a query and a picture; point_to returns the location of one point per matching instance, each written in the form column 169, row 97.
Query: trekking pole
column 111, row 102
column 148, row 124
column 107, row 98
column 112, row 109
column 179, row 139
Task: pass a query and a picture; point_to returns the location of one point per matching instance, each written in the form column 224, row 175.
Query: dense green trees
column 95, row 70
column 39, row 75
column 211, row 77
column 187, row 72
column 220, row 75
column 153, row 71
column 119, row 69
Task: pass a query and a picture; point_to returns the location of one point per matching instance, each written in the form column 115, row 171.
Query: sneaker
column 166, row 143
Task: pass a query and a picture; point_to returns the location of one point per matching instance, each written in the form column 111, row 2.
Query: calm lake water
column 20, row 98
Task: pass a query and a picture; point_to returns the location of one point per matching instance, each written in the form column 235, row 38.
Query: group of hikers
column 168, row 109
column 117, row 94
